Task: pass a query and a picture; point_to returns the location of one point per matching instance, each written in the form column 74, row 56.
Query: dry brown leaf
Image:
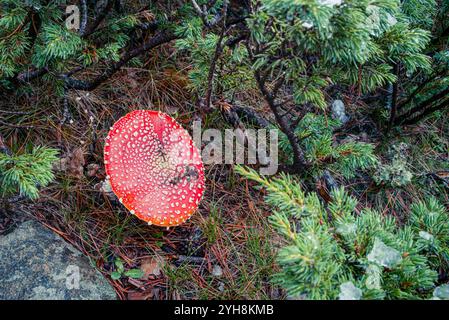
column 93, row 170
column 135, row 295
column 73, row 163
column 151, row 267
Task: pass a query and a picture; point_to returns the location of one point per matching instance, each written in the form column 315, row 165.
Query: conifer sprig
column 341, row 254
column 26, row 173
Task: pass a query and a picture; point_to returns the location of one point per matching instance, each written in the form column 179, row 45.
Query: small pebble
column 217, row 271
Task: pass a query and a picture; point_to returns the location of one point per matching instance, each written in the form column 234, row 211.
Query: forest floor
column 227, row 250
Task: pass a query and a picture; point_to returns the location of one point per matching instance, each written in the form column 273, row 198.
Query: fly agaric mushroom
column 154, row 168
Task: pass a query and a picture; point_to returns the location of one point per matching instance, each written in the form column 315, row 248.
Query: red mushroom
column 154, row 168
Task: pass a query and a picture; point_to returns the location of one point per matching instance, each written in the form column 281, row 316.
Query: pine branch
column 251, row 115
column 443, row 35
column 422, row 106
column 418, row 90
column 157, row 40
column 300, row 163
column 232, row 42
column 439, row 106
column 327, row 250
column 30, row 75
column 83, row 24
column 27, row 172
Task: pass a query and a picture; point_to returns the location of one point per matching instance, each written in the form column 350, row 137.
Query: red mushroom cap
column 154, row 168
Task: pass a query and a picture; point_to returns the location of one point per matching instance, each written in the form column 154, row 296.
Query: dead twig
column 16, row 126
column 159, row 39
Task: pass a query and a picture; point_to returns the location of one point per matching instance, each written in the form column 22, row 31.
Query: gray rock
column 338, row 111
column 37, row 264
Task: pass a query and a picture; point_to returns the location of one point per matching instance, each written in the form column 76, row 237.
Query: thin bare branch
column 16, row 126
column 425, row 105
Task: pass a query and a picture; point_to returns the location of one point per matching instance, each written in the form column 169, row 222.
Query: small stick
column 16, row 126
column 183, row 258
